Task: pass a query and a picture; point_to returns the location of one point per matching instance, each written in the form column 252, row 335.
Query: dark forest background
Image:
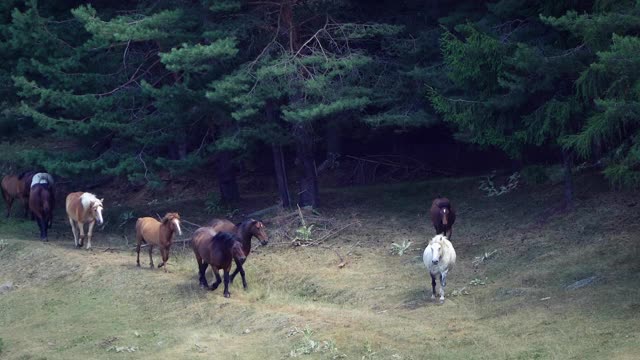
column 148, row 92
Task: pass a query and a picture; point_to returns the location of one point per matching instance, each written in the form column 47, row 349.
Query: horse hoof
column 204, row 286
column 227, row 295
column 138, row 265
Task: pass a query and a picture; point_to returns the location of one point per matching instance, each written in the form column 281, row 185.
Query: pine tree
column 511, row 86
column 610, row 86
column 308, row 69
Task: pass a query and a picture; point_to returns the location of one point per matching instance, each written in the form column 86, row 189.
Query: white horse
column 83, row 208
column 439, row 257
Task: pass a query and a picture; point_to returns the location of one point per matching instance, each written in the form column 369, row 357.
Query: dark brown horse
column 17, row 187
column 245, row 230
column 41, row 204
column 442, row 216
column 218, row 251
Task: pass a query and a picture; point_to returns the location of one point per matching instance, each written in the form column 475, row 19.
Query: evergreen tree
column 310, row 68
column 610, row 86
column 511, row 86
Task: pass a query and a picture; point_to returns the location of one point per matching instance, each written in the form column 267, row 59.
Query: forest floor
column 553, row 284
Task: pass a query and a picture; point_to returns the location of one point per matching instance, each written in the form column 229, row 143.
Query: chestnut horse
column 41, row 204
column 157, row 233
column 17, row 187
column 245, row 230
column 83, row 208
column 216, row 250
column 442, row 216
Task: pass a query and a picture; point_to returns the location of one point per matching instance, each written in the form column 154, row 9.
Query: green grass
column 69, row 303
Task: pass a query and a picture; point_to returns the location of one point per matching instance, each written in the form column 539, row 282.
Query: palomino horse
column 217, row 250
column 157, row 233
column 41, row 204
column 246, row 230
column 83, row 208
column 17, row 187
column 439, row 257
column 442, row 216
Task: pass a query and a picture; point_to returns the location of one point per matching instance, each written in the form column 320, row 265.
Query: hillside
column 524, row 301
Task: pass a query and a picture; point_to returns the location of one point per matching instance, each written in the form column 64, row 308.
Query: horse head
column 237, row 253
column 173, row 219
column 436, row 249
column 96, row 209
column 444, row 213
column 259, row 231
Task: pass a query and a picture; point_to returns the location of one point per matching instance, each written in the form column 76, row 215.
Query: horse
column 442, row 216
column 216, row 249
column 245, row 230
column 41, row 204
column 157, row 233
column 17, row 187
column 83, row 208
column 14, row 188
column 439, row 257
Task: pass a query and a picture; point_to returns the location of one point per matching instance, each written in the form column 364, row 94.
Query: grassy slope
column 71, row 303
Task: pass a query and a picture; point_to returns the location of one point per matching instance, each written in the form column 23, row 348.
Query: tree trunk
column 227, row 177
column 308, row 176
column 334, row 147
column 281, row 175
column 567, row 161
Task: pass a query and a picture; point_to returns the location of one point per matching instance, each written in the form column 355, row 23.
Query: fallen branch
column 263, row 211
column 334, row 232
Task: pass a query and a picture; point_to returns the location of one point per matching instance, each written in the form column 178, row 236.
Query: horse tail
column 3, row 192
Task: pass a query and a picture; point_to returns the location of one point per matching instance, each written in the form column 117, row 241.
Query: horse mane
column 448, row 251
column 87, row 198
column 443, row 202
column 28, row 172
column 245, row 223
column 170, row 216
column 226, row 238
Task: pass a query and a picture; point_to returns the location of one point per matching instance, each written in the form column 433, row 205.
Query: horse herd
column 218, row 245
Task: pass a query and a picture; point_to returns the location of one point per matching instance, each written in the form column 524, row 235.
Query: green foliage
column 304, row 233
column 399, row 249
column 151, row 90
column 308, row 345
column 612, row 84
column 215, row 206
column 198, row 57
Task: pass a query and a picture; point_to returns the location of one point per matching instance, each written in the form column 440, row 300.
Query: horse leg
column 150, row 257
column 433, row 286
column 90, row 234
column 81, row 227
column 42, row 226
column 202, row 269
column 44, row 229
column 139, row 242
column 165, row 257
column 216, row 273
column 75, row 232
column 226, row 282
column 9, row 201
column 443, row 283
column 239, row 269
column 450, row 232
